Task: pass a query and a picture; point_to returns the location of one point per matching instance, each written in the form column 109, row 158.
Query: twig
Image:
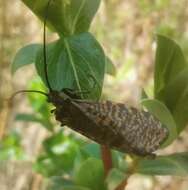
column 130, row 171
column 106, row 158
column 122, row 185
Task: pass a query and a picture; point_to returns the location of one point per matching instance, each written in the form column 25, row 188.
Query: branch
column 131, row 170
column 122, row 185
column 106, row 158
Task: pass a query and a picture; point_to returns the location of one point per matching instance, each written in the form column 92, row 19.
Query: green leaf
column 59, row 155
column 77, row 62
column 91, row 174
column 93, row 150
column 109, row 67
column 27, row 117
column 73, row 187
column 174, row 164
column 25, row 56
column 114, row 178
column 39, row 105
column 34, row 118
column 38, row 101
column 11, row 147
column 181, row 110
column 144, row 94
column 62, row 150
column 66, row 17
column 81, row 157
column 57, row 182
column 171, row 80
column 179, row 101
column 161, row 112
column 169, row 63
column 59, row 144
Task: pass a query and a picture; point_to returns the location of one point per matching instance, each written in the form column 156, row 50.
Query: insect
column 115, row 125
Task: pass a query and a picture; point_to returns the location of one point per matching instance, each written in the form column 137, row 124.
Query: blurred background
column 126, row 30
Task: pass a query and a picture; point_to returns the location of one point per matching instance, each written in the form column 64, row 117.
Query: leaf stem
column 132, row 167
column 106, row 158
column 122, row 185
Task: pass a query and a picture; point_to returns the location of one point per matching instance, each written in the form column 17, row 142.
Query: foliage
column 72, row 59
column 170, row 78
column 10, row 147
column 77, row 62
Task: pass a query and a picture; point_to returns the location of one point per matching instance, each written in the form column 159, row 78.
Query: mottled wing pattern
column 142, row 133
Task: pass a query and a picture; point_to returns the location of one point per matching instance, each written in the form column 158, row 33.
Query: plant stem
column 106, row 158
column 122, row 185
column 131, row 170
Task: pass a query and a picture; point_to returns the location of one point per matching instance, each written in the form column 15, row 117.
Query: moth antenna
column 44, row 47
column 27, row 91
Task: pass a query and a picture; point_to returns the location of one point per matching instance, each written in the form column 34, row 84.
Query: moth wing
column 104, row 114
column 128, row 129
column 108, row 118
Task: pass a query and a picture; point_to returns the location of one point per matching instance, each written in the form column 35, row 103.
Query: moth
column 115, row 125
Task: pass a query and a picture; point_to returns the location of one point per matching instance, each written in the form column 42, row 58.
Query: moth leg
column 94, row 81
column 93, row 86
column 71, row 93
column 76, row 94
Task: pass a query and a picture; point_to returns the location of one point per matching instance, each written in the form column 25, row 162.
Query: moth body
column 115, row 125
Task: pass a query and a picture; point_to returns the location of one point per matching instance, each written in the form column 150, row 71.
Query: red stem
column 106, row 158
column 130, row 171
column 122, row 185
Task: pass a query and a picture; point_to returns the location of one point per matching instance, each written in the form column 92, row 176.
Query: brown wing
column 131, row 130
